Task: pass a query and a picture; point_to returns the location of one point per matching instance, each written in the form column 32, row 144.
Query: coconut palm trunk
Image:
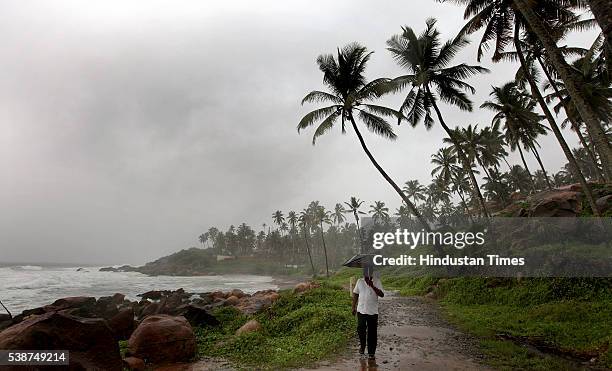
column 465, row 206
column 314, row 273
column 572, row 83
column 324, row 249
column 602, row 10
column 387, row 177
column 7, row 311
column 536, row 154
column 553, row 125
column 518, row 145
column 359, row 248
column 575, row 126
column 462, row 156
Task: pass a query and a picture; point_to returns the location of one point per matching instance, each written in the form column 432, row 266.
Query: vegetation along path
column 413, row 336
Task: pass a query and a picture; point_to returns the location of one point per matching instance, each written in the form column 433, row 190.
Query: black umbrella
column 365, row 261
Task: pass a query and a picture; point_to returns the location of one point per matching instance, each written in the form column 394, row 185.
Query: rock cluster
column 158, row 327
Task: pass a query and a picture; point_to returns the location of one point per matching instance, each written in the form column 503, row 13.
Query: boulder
column 133, row 363
column 198, row 316
column 555, row 204
column 237, row 293
column 91, row 342
column 118, row 298
column 232, row 300
column 149, row 309
column 123, row 324
column 604, row 203
column 273, row 296
column 163, row 339
column 250, row 326
column 85, row 303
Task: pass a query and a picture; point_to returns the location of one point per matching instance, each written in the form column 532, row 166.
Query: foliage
column 297, row 330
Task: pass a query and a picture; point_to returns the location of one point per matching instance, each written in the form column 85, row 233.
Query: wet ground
column 412, row 336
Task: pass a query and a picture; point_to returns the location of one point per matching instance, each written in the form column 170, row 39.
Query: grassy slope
column 572, row 316
column 297, row 330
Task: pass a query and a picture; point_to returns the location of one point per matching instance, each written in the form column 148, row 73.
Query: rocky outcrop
column 90, row 341
column 250, row 326
column 163, row 339
column 566, row 201
column 122, row 324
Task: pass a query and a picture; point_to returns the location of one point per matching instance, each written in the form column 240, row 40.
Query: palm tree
column 203, row 238
column 353, row 207
column 414, row 190
column 379, row 212
column 320, row 215
column 427, row 63
column 459, row 184
column 305, row 220
column 278, row 218
column 292, row 219
column 503, row 24
column 516, row 110
column 519, row 179
column 344, row 76
column 338, row 214
column 496, row 187
column 446, row 163
column 596, row 85
column 539, row 25
column 602, row 11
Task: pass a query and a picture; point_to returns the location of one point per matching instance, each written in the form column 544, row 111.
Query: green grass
column 570, row 316
column 297, row 330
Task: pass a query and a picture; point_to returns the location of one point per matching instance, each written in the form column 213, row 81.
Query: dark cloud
column 128, row 129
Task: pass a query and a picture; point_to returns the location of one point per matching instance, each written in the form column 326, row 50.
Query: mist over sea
column 29, row 286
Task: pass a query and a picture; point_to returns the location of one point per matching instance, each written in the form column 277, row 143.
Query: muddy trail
column 412, row 336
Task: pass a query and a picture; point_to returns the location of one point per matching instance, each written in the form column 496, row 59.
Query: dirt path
column 412, row 336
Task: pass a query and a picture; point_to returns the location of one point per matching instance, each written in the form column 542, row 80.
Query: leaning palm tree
column 540, row 25
column 379, row 212
column 515, row 111
column 503, row 22
column 304, row 221
column 414, row 190
column 427, row 61
column 350, row 94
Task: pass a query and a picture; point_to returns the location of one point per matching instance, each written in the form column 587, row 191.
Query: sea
column 30, row 286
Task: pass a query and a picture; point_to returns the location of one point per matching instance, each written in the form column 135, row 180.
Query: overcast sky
column 127, row 128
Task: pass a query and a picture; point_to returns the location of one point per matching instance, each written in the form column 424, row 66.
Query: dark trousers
column 367, row 328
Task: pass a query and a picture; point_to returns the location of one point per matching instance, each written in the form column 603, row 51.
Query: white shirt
column 367, row 302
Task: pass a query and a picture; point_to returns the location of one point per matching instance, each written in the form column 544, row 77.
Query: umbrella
column 365, row 261
column 360, row 261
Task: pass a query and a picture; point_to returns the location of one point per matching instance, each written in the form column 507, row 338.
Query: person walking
column 365, row 305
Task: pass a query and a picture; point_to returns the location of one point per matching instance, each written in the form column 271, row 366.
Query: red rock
column 123, row 324
column 163, row 339
column 133, row 363
column 250, row 326
column 91, row 342
column 150, row 309
column 118, row 298
column 237, row 293
column 232, row 300
column 81, row 302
